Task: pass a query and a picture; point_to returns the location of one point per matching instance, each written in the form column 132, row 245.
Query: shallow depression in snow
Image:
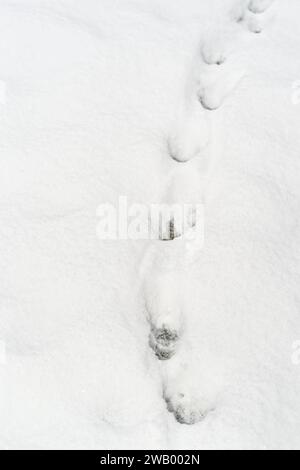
column 95, row 99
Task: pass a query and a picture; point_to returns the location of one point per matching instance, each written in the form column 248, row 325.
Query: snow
column 94, row 96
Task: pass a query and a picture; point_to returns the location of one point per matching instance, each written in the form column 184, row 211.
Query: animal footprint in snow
column 239, row 12
column 213, row 51
column 164, row 341
column 192, row 382
column 259, row 6
column 187, row 395
column 168, row 230
column 218, row 44
column 189, row 135
column 249, row 14
column 164, row 312
column 255, row 25
column 186, row 408
column 215, row 87
column 184, row 192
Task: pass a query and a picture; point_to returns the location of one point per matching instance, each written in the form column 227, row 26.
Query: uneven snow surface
column 96, row 96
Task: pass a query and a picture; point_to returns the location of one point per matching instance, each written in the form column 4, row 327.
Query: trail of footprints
column 212, row 80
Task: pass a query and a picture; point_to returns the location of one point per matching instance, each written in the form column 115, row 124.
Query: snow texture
column 159, row 101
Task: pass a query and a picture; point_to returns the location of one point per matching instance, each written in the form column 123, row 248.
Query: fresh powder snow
column 135, row 343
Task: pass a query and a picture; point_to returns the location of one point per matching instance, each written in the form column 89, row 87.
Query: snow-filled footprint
column 189, row 133
column 250, row 14
column 185, row 192
column 217, row 84
column 162, row 298
column 239, row 11
column 259, row 6
column 190, row 394
column 255, row 24
column 218, row 42
column 163, row 270
column 258, row 23
column 213, row 50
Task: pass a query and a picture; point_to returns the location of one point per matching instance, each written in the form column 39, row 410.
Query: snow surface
column 94, row 95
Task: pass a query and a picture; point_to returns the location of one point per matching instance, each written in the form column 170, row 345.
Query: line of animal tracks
column 212, row 79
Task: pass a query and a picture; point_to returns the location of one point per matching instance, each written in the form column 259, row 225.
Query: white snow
column 94, row 95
